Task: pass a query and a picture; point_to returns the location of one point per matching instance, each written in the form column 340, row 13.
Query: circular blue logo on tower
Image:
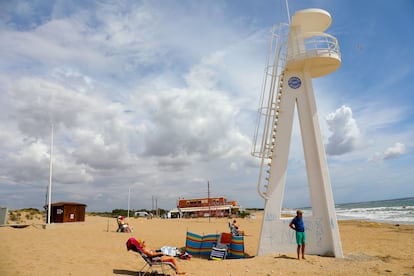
column 294, row 82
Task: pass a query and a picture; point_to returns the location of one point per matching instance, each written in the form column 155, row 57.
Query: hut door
column 57, row 214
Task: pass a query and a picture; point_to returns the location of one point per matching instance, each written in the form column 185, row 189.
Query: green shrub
column 244, row 214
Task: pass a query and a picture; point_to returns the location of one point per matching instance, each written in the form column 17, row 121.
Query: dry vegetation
column 26, row 216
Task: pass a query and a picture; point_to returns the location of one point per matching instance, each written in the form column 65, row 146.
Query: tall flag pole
column 49, row 196
column 208, row 195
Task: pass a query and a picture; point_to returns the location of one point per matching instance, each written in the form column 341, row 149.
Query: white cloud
column 193, row 122
column 390, row 153
column 345, row 134
column 108, row 131
column 24, row 164
column 395, row 151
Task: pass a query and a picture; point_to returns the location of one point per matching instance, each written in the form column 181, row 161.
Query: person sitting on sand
column 123, row 225
column 157, row 253
column 236, row 228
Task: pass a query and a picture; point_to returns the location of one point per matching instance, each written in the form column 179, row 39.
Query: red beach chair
column 132, row 244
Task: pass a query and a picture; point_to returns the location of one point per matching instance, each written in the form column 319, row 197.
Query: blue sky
column 160, row 97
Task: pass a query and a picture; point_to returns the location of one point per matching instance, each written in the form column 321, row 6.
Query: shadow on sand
column 137, row 273
column 285, row 257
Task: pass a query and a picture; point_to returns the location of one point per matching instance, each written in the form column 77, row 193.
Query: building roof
column 66, row 204
column 203, row 208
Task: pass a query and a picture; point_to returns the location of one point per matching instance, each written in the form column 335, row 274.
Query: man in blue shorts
column 298, row 225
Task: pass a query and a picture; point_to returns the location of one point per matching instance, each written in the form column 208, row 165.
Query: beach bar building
column 67, row 212
column 204, row 207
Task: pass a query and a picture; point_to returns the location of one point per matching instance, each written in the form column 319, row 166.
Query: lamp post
column 129, row 199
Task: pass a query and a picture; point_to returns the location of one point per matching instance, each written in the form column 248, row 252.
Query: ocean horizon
column 400, row 210
column 394, row 211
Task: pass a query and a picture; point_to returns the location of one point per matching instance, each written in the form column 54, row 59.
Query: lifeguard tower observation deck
column 298, row 52
column 309, row 48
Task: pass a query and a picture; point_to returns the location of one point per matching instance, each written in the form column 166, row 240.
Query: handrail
column 315, row 44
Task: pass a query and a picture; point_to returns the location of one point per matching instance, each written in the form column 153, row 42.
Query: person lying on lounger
column 157, row 253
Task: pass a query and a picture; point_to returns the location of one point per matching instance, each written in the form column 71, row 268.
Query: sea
column 396, row 211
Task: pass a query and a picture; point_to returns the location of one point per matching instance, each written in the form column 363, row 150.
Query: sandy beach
column 94, row 247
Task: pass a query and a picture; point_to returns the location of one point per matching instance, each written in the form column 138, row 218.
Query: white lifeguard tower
column 298, row 52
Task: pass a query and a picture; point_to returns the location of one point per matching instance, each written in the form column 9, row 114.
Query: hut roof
column 63, row 203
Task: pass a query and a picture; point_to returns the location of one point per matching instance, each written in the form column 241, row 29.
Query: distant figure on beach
column 298, row 225
column 153, row 254
column 236, row 228
column 123, row 225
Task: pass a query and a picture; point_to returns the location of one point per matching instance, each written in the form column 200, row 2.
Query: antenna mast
column 287, row 10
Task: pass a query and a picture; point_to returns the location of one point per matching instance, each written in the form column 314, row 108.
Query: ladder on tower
column 264, row 139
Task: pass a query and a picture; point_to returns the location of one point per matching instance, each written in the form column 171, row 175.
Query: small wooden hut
column 67, row 212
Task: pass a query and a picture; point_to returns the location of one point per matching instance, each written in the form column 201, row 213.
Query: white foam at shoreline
column 389, row 214
column 398, row 214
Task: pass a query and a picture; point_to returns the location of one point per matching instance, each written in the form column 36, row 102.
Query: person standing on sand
column 298, row 225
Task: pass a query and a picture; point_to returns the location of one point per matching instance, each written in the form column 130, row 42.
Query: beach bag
column 185, row 256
